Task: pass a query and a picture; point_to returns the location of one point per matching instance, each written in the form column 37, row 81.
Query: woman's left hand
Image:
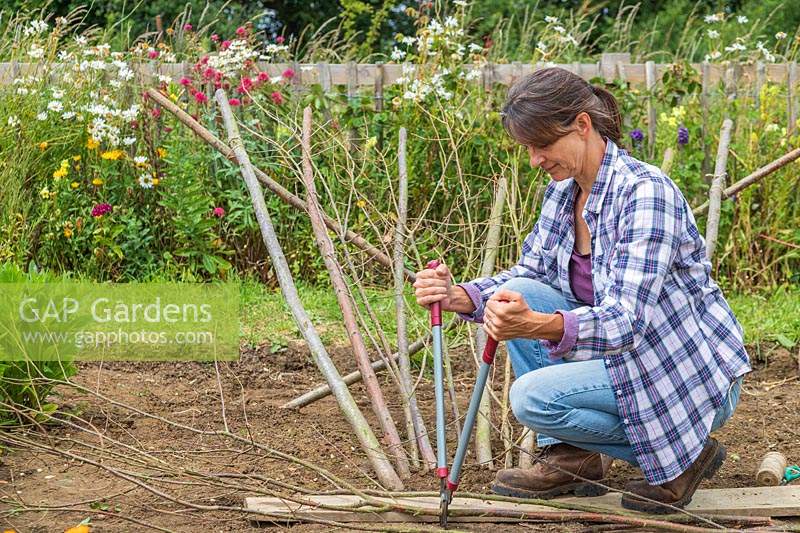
column 507, row 316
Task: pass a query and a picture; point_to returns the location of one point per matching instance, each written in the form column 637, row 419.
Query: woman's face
column 564, row 158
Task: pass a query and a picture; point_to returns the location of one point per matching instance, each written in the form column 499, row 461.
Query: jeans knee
column 527, row 402
column 532, row 290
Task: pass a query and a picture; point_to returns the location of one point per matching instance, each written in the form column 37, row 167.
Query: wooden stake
column 415, row 427
column 282, row 193
column 483, row 424
column 374, row 392
column 526, row 448
column 717, row 185
column 666, row 163
column 759, row 83
column 383, row 468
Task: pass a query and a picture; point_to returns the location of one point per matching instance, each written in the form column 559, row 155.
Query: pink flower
column 279, row 39
column 234, row 102
column 200, row 98
column 263, row 76
column 288, row 74
column 215, row 38
column 218, row 212
column 277, row 97
column 247, row 83
column 241, row 31
column 152, row 54
column 225, row 45
column 204, row 60
column 156, row 112
column 209, row 72
column 187, row 27
column 217, row 85
column 185, row 82
column 101, row 209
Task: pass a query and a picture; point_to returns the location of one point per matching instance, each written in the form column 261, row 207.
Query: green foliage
column 25, row 385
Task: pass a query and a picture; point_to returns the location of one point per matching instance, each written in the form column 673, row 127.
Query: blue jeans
column 572, row 402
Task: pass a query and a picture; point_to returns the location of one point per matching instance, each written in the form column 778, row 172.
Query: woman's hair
column 541, row 106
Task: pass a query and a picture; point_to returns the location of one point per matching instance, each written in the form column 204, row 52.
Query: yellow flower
column 44, row 193
column 113, row 155
column 361, row 203
column 92, row 143
column 76, row 157
column 156, row 181
column 83, row 528
column 97, row 181
column 67, row 233
column 74, row 184
column 60, row 173
column 162, row 152
column 43, row 145
column 173, row 97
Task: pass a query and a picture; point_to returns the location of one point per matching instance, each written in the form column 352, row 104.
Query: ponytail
column 609, row 125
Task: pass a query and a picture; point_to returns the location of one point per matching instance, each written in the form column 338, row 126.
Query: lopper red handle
column 436, row 308
column 490, row 350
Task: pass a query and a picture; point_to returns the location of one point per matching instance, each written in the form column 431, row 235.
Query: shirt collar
column 603, row 180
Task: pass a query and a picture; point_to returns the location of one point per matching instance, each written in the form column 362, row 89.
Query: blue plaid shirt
column 671, row 343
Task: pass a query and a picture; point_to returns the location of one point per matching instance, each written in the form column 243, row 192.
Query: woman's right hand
column 434, row 285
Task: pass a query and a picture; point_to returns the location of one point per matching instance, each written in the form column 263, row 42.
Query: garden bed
column 261, row 381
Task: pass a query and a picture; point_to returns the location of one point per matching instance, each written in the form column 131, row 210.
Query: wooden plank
column 750, row 501
column 292, row 511
column 650, row 73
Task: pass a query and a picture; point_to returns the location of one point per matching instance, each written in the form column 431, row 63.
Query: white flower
column 408, row 95
column 58, row 94
column 407, row 69
column 36, row 27
column 146, row 181
column 560, row 29
column 55, row 106
column 408, row 40
column 22, row 91
column 61, row 21
column 473, row 74
column 460, row 3
column 435, row 27
column 68, row 115
column 741, row 19
column 735, row 47
column 140, row 159
column 444, row 93
column 713, row 34
column 716, row 54
column 771, row 127
column 13, row 121
column 81, row 40
column 551, row 20
column 36, row 51
column 475, row 48
column 780, row 35
column 127, row 141
column 450, row 22
column 397, row 54
column 541, row 46
column 710, row 19
column 42, row 116
column 115, row 83
column 164, row 79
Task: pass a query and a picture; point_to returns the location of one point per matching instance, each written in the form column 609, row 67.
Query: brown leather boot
column 679, row 491
column 543, row 481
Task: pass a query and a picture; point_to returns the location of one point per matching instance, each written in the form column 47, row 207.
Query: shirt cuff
column 474, row 294
column 568, row 339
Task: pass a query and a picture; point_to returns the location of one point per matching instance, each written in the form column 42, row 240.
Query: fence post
column 650, row 81
column 609, row 62
column 706, row 83
column 791, row 104
column 760, row 77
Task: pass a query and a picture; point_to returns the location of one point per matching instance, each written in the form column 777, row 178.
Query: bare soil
column 768, row 418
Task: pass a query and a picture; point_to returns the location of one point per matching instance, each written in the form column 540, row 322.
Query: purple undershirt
column 580, row 281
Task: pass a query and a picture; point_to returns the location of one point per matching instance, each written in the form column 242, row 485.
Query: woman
column 622, row 345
